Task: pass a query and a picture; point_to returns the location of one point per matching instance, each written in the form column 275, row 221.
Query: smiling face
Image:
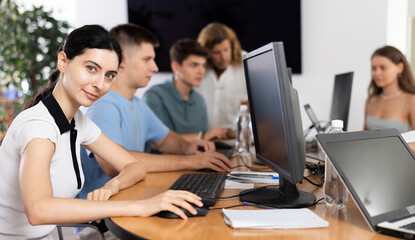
column 87, row 77
column 384, row 71
column 192, row 70
column 140, row 65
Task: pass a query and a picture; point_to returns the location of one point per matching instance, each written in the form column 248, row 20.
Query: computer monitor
column 277, row 127
column 342, row 93
column 340, row 103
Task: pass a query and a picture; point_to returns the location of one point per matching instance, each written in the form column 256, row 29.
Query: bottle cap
column 337, row 123
column 243, row 108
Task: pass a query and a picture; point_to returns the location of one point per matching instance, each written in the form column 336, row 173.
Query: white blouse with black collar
column 44, row 120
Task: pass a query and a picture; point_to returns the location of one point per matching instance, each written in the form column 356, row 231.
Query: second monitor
column 277, row 127
column 340, row 103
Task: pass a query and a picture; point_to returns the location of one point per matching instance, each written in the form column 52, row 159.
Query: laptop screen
column 381, row 171
column 378, row 169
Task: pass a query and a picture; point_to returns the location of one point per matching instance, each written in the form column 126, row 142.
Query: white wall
column 107, row 13
column 337, row 36
column 77, row 13
column 397, row 24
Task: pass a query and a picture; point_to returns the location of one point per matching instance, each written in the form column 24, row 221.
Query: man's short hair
column 215, row 33
column 183, row 48
column 130, row 34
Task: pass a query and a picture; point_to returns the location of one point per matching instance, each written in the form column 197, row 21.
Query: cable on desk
column 318, row 174
column 233, row 156
column 238, row 156
column 318, row 201
column 234, row 206
column 227, row 197
column 315, row 184
column 237, row 166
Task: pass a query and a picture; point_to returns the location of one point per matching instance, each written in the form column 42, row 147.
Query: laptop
column 378, row 169
column 313, row 118
column 315, row 152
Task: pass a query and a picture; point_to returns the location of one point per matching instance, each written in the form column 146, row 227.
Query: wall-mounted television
column 255, row 22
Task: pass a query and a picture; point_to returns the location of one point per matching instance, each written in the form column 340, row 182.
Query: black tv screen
column 255, row 22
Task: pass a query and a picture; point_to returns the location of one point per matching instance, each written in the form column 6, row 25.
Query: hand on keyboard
column 217, row 133
column 212, row 160
column 172, row 201
column 194, row 147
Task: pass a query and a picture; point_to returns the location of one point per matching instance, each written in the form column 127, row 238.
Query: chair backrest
column 99, row 233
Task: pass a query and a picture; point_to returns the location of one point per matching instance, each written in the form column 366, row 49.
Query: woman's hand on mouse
column 170, row 200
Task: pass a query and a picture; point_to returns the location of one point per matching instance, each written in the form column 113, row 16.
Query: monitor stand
column 286, row 196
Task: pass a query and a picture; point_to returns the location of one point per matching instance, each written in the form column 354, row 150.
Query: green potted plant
column 29, row 40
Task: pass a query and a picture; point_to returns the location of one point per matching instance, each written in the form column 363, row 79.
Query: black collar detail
column 60, row 119
column 56, row 111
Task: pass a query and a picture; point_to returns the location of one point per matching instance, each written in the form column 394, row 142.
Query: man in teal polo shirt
column 176, row 104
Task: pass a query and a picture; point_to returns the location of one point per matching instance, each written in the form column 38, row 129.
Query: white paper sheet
column 229, row 184
column 273, row 219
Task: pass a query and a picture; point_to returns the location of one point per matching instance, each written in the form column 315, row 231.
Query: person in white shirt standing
column 224, row 87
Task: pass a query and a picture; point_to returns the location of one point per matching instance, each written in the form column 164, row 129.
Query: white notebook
column 273, row 219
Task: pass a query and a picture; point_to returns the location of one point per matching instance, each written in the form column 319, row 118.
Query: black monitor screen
column 342, row 93
column 269, row 123
column 277, row 127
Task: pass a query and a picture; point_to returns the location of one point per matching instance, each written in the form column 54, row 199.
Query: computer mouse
column 222, row 145
column 201, row 211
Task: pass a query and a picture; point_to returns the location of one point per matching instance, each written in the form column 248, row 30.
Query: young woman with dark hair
column 41, row 171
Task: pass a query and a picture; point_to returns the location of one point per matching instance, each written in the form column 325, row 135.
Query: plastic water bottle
column 244, row 133
column 335, row 193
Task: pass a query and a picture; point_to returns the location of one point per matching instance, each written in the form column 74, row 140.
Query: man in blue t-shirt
column 128, row 121
column 175, row 102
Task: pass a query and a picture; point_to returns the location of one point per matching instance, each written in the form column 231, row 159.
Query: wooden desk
column 347, row 223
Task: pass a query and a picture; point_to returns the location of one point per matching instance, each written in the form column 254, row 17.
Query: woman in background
column 41, row 171
column 391, row 101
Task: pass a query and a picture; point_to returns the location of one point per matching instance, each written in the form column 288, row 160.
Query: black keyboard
column 208, row 186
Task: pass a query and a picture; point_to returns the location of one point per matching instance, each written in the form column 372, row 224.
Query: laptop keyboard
column 410, row 226
column 208, row 186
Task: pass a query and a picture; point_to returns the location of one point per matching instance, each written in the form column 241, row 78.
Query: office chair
column 59, row 228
